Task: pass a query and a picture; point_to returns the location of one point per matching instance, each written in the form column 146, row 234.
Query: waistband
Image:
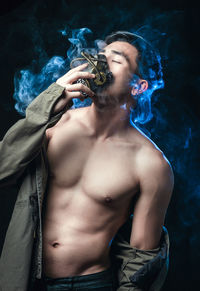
column 103, row 279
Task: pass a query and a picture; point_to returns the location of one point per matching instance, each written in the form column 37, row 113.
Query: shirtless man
column 98, row 163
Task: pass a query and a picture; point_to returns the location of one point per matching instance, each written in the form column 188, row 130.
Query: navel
column 55, row 245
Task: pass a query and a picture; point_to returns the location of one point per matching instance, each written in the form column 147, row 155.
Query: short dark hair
column 125, row 36
column 148, row 60
column 148, row 67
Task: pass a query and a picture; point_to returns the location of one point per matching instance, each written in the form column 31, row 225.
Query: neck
column 107, row 122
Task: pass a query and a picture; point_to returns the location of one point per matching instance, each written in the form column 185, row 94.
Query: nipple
column 108, row 199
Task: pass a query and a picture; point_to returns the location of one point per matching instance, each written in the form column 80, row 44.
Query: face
column 121, row 57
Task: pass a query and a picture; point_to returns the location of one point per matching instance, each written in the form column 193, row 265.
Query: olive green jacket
column 23, row 161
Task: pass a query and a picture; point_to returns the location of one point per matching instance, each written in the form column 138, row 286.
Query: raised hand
column 73, row 90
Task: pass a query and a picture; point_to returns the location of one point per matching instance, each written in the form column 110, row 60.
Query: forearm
column 136, row 269
column 24, row 139
column 134, row 273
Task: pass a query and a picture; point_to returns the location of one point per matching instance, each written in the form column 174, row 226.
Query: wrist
column 64, row 102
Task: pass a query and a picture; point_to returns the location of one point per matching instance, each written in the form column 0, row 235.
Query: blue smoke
column 167, row 121
column 28, row 85
column 172, row 126
column 150, row 69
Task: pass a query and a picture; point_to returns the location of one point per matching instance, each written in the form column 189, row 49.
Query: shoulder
column 151, row 157
column 68, row 116
column 151, row 163
column 155, row 172
column 73, row 114
column 64, row 118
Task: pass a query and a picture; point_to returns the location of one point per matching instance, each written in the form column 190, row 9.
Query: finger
column 78, row 68
column 80, row 87
column 71, row 78
column 76, row 94
column 80, row 75
column 64, row 79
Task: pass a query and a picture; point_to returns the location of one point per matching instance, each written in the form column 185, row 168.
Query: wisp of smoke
column 28, row 85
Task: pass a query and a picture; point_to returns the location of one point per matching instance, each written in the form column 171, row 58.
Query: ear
column 140, row 87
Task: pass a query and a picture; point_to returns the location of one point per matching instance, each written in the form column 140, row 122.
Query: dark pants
column 101, row 281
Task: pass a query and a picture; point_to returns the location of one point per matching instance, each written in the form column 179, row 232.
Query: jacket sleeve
column 136, row 269
column 23, row 141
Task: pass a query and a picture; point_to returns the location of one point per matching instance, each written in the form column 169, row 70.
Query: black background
column 28, row 26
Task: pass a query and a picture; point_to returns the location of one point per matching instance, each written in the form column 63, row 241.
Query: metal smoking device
column 97, row 65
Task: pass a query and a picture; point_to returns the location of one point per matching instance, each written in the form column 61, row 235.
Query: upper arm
column 156, row 186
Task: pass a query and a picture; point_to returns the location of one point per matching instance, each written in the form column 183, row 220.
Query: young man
column 97, row 165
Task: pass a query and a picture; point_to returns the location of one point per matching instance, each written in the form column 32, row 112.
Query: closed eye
column 116, row 62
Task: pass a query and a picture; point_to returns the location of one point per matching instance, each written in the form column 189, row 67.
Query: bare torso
column 91, row 186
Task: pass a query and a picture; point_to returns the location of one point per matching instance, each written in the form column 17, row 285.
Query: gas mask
column 97, row 65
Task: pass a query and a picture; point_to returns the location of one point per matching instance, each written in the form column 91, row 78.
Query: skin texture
column 98, row 164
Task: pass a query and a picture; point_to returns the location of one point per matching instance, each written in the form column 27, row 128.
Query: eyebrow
column 120, row 54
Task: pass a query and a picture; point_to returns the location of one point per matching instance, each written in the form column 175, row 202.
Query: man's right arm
column 24, row 140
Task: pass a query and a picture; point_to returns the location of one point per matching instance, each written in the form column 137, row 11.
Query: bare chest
column 96, row 168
